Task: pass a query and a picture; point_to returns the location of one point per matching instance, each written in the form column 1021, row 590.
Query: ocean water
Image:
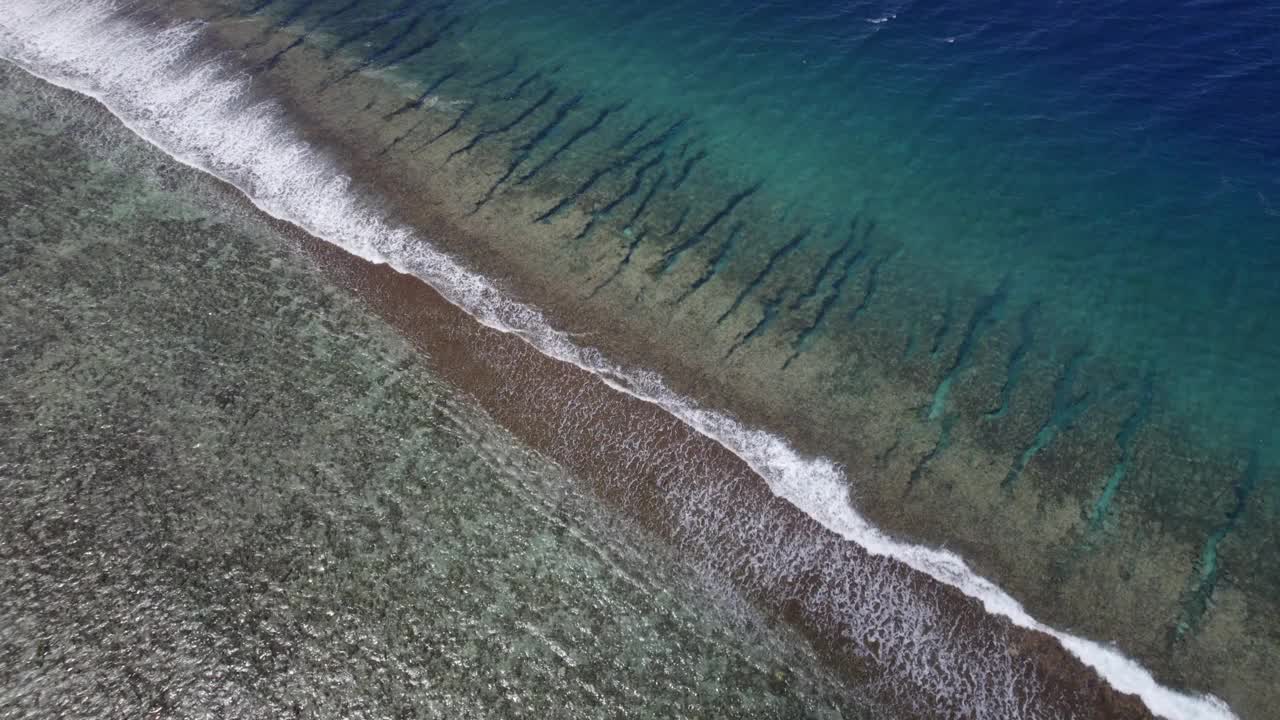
column 1111, row 165
column 1054, row 224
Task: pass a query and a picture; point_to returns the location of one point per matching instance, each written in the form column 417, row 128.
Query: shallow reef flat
column 228, row 487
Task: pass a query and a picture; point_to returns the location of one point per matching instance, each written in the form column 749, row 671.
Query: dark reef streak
column 847, row 267
column 1017, row 359
column 825, row 269
column 778, row 256
column 515, row 66
column 943, row 442
column 940, row 335
column 416, row 105
column 293, row 15
column 612, row 167
column 985, row 314
column 873, row 284
column 1124, row 440
column 423, row 46
column 568, row 143
column 1062, row 415
column 457, row 123
column 637, row 237
column 670, row 257
column 774, row 302
column 333, row 15
column 648, row 198
column 626, row 139
column 522, row 153
column 1200, row 596
column 270, row 63
column 426, row 94
column 506, row 127
column 664, row 138
column 681, row 219
column 717, row 262
column 391, row 45
column 687, row 169
column 637, row 181
column 372, row 26
column 520, row 86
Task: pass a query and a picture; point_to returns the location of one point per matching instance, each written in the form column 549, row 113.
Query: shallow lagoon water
column 230, row 491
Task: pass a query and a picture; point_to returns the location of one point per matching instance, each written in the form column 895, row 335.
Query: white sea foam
column 202, row 114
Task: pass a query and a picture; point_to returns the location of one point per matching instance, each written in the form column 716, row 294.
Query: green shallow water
column 228, row 491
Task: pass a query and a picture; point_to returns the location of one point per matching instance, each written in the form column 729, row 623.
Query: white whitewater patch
column 201, row 114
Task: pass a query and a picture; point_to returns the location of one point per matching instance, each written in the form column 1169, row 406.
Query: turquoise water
column 987, row 143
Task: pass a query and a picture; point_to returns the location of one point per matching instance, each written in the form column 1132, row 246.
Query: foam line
column 202, row 114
